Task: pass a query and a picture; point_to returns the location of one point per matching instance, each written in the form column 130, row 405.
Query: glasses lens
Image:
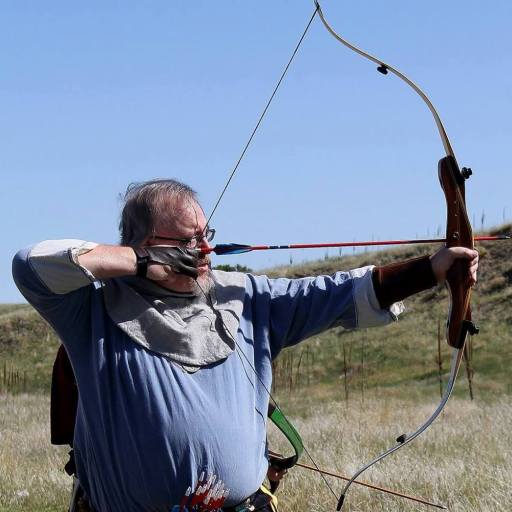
column 194, row 242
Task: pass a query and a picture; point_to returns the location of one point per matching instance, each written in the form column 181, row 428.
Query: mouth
column 204, row 265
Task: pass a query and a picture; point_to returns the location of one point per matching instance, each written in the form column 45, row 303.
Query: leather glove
column 182, row 261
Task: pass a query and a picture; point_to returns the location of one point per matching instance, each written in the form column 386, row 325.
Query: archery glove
column 182, row 261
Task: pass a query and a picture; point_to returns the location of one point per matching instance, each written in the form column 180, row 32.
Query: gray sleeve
column 56, row 264
column 368, row 310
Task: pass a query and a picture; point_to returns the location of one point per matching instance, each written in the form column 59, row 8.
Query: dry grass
column 464, row 461
column 31, row 474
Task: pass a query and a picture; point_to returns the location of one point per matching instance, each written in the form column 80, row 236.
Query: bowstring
column 207, row 296
column 240, row 352
column 262, row 115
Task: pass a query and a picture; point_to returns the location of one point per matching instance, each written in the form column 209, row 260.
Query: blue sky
column 97, row 95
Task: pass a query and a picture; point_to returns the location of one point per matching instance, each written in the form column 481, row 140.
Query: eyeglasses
column 193, row 242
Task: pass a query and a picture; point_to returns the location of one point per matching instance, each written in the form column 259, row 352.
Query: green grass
column 27, row 346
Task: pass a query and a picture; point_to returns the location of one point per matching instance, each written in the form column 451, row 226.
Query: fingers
column 473, row 268
column 175, row 259
column 187, row 262
column 189, row 257
column 463, row 252
column 275, row 475
column 443, row 259
column 190, row 271
column 472, row 256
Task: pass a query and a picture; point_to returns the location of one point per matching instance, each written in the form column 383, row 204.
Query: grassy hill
column 337, row 364
column 27, row 349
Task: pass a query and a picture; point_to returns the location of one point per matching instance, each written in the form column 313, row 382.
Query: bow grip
column 458, row 234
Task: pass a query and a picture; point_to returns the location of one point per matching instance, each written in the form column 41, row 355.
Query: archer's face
column 188, row 221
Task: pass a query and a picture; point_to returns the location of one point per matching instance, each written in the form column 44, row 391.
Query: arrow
column 227, row 249
column 375, row 487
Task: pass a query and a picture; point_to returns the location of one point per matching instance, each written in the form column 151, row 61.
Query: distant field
column 464, row 461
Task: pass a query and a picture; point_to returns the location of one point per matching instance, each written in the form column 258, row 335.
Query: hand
column 165, row 260
column 443, row 259
column 275, row 475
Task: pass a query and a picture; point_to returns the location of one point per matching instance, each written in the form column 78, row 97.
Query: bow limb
column 405, row 439
column 459, row 323
column 383, row 68
column 458, row 234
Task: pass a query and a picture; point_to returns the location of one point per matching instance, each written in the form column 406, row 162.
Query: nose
column 203, row 244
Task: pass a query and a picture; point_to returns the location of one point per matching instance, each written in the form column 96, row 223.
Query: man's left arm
column 365, row 297
column 397, row 281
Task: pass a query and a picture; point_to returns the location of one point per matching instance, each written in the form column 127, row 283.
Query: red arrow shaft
column 367, row 243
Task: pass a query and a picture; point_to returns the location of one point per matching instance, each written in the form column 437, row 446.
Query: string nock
column 401, row 439
column 466, row 172
column 340, row 502
column 383, row 69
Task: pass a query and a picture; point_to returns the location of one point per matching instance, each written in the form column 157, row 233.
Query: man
column 173, row 360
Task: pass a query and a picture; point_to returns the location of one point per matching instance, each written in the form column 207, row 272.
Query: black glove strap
column 142, row 261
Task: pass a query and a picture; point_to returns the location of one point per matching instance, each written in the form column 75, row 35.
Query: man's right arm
column 107, row 261
column 59, row 267
column 51, row 278
column 64, row 266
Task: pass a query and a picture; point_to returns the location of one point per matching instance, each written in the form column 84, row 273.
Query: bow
column 458, row 234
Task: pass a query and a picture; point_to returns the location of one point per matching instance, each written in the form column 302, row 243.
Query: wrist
column 141, row 261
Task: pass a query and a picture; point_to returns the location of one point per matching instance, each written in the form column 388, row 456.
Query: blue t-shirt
column 145, row 428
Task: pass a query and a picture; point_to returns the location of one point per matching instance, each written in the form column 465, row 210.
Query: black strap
column 142, row 261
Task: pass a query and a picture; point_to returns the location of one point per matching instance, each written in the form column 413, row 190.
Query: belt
column 259, row 501
column 245, row 505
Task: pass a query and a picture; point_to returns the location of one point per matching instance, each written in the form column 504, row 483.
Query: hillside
column 339, row 363
column 404, row 356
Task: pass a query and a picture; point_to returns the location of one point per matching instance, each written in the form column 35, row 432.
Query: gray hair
column 148, row 204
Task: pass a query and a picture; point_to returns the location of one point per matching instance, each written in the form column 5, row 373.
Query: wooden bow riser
column 458, row 234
